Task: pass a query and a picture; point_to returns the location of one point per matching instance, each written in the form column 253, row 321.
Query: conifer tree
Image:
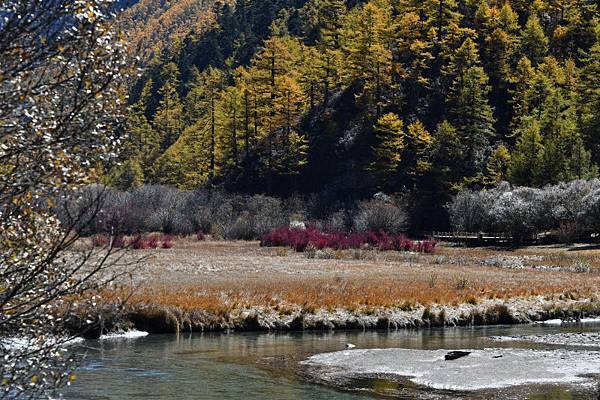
column 331, row 17
column 168, row 120
column 590, row 96
column 470, row 111
column 367, row 51
column 497, row 165
column 446, row 150
column 528, row 157
column 534, row 42
column 521, row 95
column 201, row 103
column 415, row 158
column 230, row 116
column 390, row 143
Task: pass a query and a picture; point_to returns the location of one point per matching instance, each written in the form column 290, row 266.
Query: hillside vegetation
column 419, row 97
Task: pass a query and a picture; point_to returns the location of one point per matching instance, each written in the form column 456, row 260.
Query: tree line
column 426, row 97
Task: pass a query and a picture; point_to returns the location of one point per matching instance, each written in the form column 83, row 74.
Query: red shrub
column 100, row 241
column 151, row 242
column 427, row 245
column 118, row 242
column 299, row 239
column 138, row 242
column 167, row 241
column 403, row 243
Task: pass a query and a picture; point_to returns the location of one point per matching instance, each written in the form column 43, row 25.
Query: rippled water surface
column 265, row 366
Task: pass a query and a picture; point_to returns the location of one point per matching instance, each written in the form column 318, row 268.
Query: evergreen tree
column 528, row 157
column 521, row 91
column 168, row 120
column 390, row 143
column 497, row 166
column 590, row 96
column 470, row 111
column 367, row 50
column 415, row 157
column 446, row 150
column 230, row 121
column 534, row 42
column 126, row 176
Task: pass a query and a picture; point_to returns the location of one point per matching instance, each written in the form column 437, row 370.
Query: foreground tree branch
column 61, row 67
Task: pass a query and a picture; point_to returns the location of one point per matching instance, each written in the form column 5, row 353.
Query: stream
column 271, row 365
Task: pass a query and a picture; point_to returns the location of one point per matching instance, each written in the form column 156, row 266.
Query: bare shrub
column 378, row 215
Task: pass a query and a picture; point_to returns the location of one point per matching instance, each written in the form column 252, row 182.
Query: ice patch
column 22, row 343
column 133, row 334
column 585, row 339
column 560, row 321
column 482, row 369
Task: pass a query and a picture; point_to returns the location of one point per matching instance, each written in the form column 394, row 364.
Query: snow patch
column 132, row 334
column 585, row 339
column 482, row 369
column 560, row 321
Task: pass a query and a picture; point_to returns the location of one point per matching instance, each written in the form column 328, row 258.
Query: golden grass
column 220, row 276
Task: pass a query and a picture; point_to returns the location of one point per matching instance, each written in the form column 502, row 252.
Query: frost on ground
column 482, row 369
column 9, row 344
column 585, row 339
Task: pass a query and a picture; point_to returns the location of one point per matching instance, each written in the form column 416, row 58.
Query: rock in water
column 454, row 355
column 350, row 345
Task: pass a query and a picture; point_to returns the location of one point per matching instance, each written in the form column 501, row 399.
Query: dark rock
column 455, row 355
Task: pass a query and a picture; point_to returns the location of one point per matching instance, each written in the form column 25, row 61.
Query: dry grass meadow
column 219, row 276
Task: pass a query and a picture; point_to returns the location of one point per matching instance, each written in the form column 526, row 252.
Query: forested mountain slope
column 155, row 25
column 421, row 97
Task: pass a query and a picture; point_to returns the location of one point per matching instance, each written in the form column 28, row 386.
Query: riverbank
column 220, row 286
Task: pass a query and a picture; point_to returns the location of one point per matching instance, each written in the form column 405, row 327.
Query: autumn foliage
column 300, row 239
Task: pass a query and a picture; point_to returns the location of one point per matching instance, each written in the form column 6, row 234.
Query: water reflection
column 264, row 366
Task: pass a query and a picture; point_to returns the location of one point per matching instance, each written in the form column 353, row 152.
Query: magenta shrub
column 119, row 242
column 100, row 240
column 167, row 241
column 152, row 242
column 299, row 239
column 138, row 242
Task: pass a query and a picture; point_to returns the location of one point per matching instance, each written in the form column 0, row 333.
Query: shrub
column 569, row 209
column 312, row 239
column 100, row 240
column 138, row 242
column 379, row 215
column 118, row 242
column 152, row 242
column 200, row 236
column 167, row 242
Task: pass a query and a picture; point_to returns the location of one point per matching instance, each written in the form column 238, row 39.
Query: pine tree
column 520, row 91
column 390, row 142
column 590, row 96
column 417, row 148
column 126, row 176
column 534, row 42
column 230, row 111
column 200, row 107
column 497, row 166
column 331, row 17
column 447, row 149
column 528, row 157
column 367, row 51
column 470, row 111
column 168, row 120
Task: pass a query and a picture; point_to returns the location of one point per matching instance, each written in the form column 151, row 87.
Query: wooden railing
column 472, row 237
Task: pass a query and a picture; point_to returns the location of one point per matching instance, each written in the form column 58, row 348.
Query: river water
column 266, row 365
